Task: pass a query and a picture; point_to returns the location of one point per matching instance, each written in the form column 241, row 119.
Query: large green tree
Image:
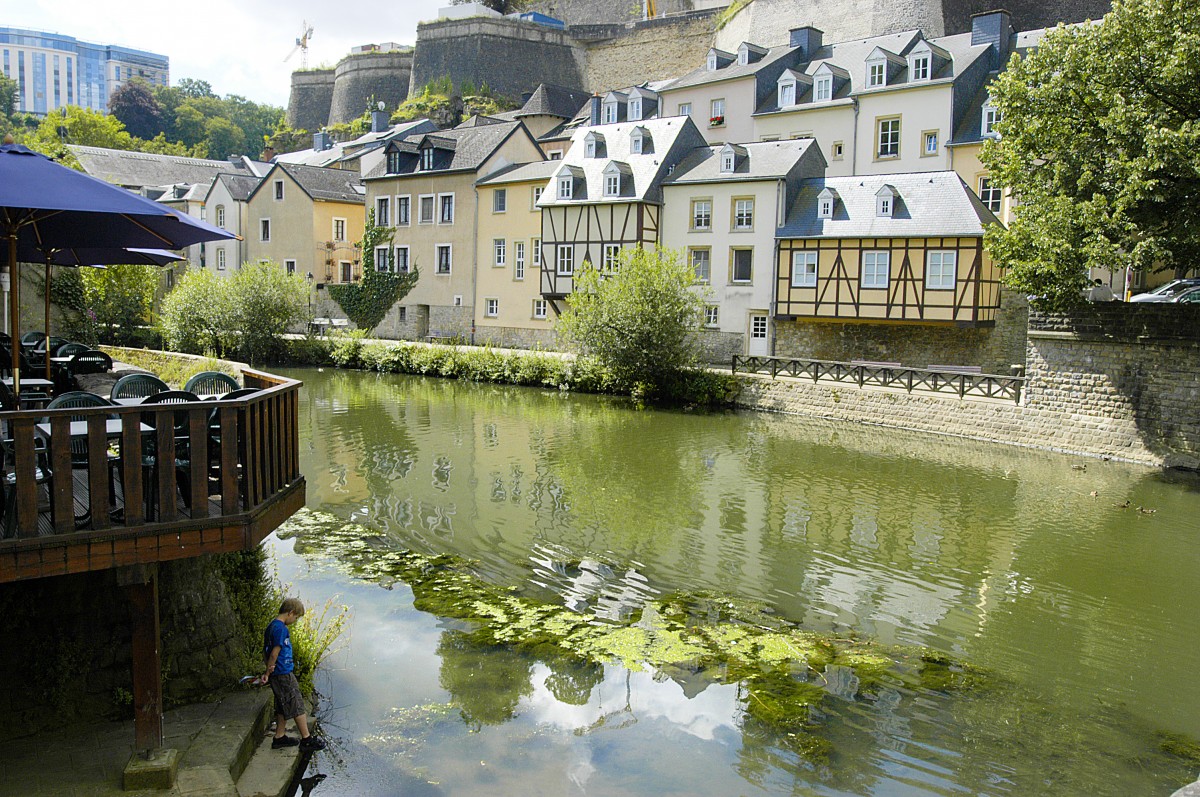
column 135, row 106
column 1100, row 146
column 121, row 298
column 9, row 93
column 639, row 322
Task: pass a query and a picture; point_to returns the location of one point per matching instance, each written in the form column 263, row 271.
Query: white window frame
column 289, row 266
column 875, row 263
column 733, row 259
column 277, row 191
column 635, row 143
column 518, row 260
column 346, row 271
column 743, row 213
column 535, row 256
column 491, row 307
column 386, row 260
column 991, row 116
column 437, row 266
column 990, row 194
column 876, row 74
column 383, row 211
column 612, row 184
column 787, row 94
column 946, row 274
column 427, row 159
column 264, row 230
column 920, row 68
column 712, row 315
column 702, row 211
column 635, row 109
column 685, row 109
column 499, row 253
column 564, row 266
column 711, row 63
column 405, row 201
column 608, row 113
column 825, row 207
column 717, row 108
column 804, row 268
column 611, row 257
column 884, row 205
column 589, row 147
column 823, row 88
column 927, row 138
column 539, row 309
column 728, row 162
column 397, row 266
column 441, row 208
column 536, row 195
column 220, row 215
column 566, row 186
column 889, row 148
column 706, row 277
column 220, row 259
column 500, row 200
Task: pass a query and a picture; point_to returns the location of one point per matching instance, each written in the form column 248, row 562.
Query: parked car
column 1190, row 296
column 1167, row 292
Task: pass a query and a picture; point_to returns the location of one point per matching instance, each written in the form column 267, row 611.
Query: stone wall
column 363, row 78
column 451, row 321
column 1026, row 14
column 66, row 650
column 517, row 338
column 311, row 99
column 994, row 349
column 512, row 57
column 605, row 12
column 652, row 50
column 718, row 348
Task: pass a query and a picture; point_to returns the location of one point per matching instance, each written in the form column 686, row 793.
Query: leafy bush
column 196, row 316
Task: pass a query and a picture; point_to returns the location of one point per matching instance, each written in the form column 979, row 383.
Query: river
column 1069, row 581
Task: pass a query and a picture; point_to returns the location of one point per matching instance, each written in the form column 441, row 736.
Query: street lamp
column 310, row 290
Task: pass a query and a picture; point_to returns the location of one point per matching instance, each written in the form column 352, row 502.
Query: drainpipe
column 854, row 143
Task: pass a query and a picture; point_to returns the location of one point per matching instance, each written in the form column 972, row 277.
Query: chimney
column 595, row 120
column 526, row 96
column 808, row 39
column 322, row 141
column 993, row 28
column 379, row 120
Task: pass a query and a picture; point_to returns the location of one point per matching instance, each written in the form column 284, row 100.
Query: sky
column 238, row 46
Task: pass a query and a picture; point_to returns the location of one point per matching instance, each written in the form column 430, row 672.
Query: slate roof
column 240, row 187
column 522, row 172
column 355, row 148
column 764, row 160
column 702, row 76
column 471, row 147
column 142, row 169
column 930, row 204
column 645, row 170
column 551, row 100
column 322, row 183
column 582, row 115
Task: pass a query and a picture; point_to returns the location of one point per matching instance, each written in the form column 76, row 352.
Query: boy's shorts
column 286, row 689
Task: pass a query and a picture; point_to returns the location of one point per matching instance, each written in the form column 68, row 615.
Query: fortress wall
column 383, row 76
column 1026, row 14
column 511, row 57
column 310, row 99
column 602, row 12
column 652, row 50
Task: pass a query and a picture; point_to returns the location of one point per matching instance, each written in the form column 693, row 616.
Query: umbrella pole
column 14, row 323
column 49, row 271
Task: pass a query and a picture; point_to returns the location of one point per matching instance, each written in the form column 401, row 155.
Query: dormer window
column 640, row 141
column 919, row 67
column 566, row 186
column 393, row 163
column 711, row 66
column 885, row 202
column 427, row 159
column 728, row 161
column 635, row 109
column 589, row 149
column 823, row 88
column 877, row 74
column 991, row 116
column 787, row 93
column 825, row 201
column 612, row 184
column 608, row 113
column 593, row 145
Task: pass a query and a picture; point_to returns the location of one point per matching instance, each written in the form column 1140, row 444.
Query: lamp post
column 310, row 291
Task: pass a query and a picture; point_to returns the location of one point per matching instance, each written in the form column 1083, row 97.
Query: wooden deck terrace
column 99, row 500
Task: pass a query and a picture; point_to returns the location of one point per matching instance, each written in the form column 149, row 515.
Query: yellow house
column 309, row 220
column 891, row 248
column 510, row 310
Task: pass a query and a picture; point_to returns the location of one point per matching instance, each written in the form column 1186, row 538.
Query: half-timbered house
column 607, row 196
column 890, row 248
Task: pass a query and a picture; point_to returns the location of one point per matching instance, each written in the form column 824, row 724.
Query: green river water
column 1068, row 583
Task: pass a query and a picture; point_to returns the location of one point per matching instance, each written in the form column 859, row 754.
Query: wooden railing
column 150, row 468
column 961, row 383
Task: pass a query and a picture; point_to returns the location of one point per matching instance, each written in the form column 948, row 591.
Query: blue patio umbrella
column 45, row 207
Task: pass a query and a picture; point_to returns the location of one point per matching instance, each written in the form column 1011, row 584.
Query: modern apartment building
column 53, row 70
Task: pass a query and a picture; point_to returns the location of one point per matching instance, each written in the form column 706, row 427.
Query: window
column 839, row 150
column 701, row 214
column 635, row 109
column 264, row 229
column 825, row 202
column 883, row 205
column 447, row 205
column 743, row 214
column 220, row 215
column 685, row 109
column 383, row 216
column 393, row 163
column 875, row 267
column 702, row 264
column 876, row 74
column 612, row 184
column 940, row 270
column 500, row 200
column 717, row 115
column 539, row 308
column 445, row 258
column 401, row 314
column 920, row 67
column 402, row 211
column 566, row 185
column 566, row 260
column 758, row 327
column 381, row 258
column 537, row 196
column 427, row 159
column 741, row 269
column 930, row 146
column 889, row 138
column 220, row 260
column 289, row 266
column 804, row 269
column 612, row 257
column 427, row 207
column 347, row 271
column 608, row 113
column 589, row 147
column 499, row 250
column 823, row 90
column 518, row 260
column 536, row 259
column 278, row 189
column 491, row 307
column 989, row 194
column 991, row 116
column 401, row 260
column 635, row 143
column 339, row 229
column 728, row 159
column 743, row 56
column 787, row 94
column 711, row 315
column 712, row 62
column 457, row 300
column 555, row 154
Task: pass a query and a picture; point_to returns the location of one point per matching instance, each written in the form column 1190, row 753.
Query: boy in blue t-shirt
column 277, row 653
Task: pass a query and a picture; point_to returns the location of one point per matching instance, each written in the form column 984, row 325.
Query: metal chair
column 211, row 383
column 138, row 386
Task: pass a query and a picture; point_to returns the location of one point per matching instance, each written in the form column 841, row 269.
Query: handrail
column 965, row 385
column 246, row 454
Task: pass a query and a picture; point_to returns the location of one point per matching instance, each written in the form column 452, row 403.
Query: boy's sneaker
column 311, row 744
column 284, row 741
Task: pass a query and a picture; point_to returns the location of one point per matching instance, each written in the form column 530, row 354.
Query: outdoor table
column 29, row 382
column 112, row 428
column 128, row 401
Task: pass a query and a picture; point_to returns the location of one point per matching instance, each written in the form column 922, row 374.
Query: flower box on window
column 716, row 121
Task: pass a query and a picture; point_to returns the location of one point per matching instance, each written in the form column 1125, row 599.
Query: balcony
column 91, row 495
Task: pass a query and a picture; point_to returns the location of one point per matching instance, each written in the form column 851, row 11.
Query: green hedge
column 485, row 364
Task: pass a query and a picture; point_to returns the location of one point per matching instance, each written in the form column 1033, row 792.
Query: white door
column 760, row 344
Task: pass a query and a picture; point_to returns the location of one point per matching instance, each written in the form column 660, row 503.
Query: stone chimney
column 993, row 28
column 379, row 121
column 808, row 39
column 322, row 141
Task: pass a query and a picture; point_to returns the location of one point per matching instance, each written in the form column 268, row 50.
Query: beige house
column 225, row 207
column 510, row 309
column 425, row 189
column 308, row 220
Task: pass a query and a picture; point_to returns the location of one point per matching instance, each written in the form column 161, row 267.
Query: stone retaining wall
column 362, row 79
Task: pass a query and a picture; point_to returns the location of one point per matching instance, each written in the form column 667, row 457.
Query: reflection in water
column 1000, row 557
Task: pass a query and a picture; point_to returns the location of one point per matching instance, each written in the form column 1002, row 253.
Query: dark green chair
column 211, row 383
column 138, row 386
column 182, row 456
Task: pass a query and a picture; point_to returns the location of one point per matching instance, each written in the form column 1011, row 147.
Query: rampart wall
column 361, row 79
column 310, row 99
column 657, row 49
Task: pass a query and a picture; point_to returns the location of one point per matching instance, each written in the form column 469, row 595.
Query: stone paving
column 215, row 740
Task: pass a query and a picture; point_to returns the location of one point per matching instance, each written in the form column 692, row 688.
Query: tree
column 196, row 316
column 120, row 297
column 367, row 303
column 500, row 6
column 1100, row 146
column 82, row 126
column 224, row 138
column 265, row 302
column 190, row 87
column 9, row 94
column 135, row 106
column 640, row 322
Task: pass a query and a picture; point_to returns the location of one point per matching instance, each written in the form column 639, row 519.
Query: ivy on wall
column 368, row 302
